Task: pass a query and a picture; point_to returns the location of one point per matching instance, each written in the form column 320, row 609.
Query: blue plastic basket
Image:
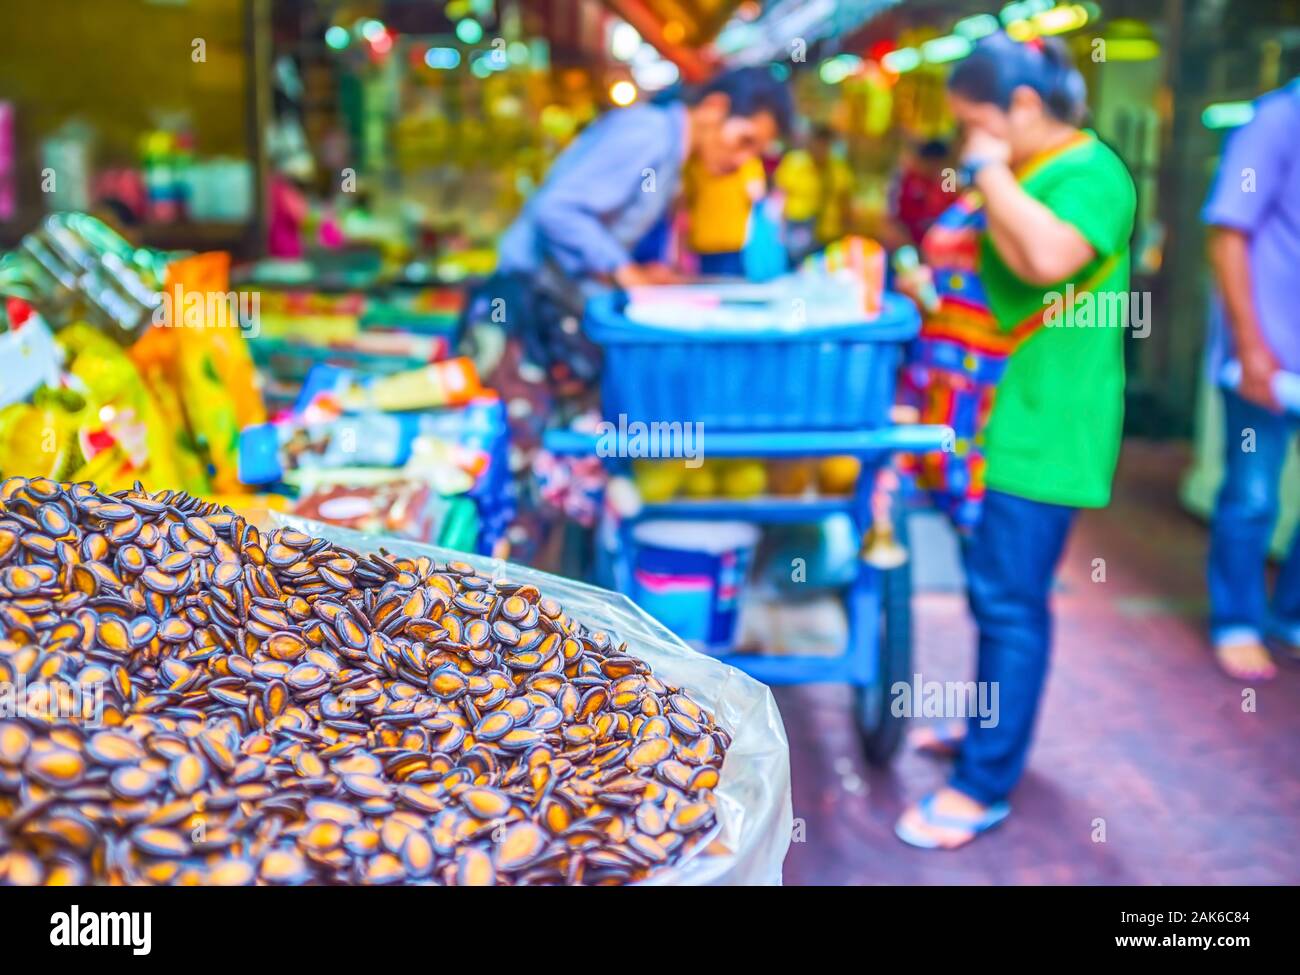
column 825, row 378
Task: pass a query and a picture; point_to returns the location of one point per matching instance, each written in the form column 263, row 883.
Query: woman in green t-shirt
column 1054, row 264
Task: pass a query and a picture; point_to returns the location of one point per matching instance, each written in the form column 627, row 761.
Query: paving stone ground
column 1138, row 730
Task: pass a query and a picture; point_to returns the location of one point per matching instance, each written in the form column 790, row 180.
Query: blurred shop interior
column 418, row 127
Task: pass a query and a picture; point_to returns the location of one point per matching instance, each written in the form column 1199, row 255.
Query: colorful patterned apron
column 955, row 362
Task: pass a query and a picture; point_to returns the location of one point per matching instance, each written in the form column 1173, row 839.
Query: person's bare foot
column 1246, row 660
column 937, row 824
column 941, row 740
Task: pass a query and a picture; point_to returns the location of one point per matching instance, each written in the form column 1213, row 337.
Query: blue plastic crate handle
column 605, row 323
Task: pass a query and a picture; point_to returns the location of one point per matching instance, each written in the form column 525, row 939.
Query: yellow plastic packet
column 39, row 439
column 122, row 433
column 200, row 346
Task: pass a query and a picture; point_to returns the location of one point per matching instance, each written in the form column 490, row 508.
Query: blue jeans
column 1010, row 560
column 1244, row 518
column 724, row 264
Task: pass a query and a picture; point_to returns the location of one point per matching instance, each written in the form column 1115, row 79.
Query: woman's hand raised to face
column 982, row 146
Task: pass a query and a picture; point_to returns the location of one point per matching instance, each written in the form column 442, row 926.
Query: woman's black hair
column 933, row 149
column 1000, row 65
column 750, row 91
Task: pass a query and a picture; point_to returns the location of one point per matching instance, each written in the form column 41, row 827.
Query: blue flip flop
column 994, row 815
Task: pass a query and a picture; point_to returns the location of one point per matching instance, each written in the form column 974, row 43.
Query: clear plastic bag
column 755, row 818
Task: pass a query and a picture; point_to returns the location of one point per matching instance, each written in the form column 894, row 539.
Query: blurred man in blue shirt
column 619, row 177
column 1254, row 218
column 608, row 190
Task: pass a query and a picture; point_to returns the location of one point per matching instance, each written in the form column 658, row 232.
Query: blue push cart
column 823, row 388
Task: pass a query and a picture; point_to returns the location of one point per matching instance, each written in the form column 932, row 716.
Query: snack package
column 400, row 507
column 187, row 453
column 450, row 383
column 122, row 433
column 321, row 432
column 29, row 359
column 40, row 438
column 197, row 342
column 273, row 452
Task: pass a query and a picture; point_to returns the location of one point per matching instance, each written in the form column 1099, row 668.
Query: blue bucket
column 690, row 575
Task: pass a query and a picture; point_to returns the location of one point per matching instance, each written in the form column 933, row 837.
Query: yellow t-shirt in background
column 798, row 179
column 813, row 193
column 838, row 179
column 718, row 206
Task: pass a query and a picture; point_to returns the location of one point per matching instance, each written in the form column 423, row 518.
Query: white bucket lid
column 711, row 537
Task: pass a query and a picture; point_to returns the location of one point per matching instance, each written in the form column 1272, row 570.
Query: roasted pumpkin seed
column 278, row 709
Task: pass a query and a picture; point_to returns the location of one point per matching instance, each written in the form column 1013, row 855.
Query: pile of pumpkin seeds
column 189, row 700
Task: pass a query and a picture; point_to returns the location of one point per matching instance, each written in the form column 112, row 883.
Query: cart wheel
column 882, row 730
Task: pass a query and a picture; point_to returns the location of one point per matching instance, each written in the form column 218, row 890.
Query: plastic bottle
column 906, row 260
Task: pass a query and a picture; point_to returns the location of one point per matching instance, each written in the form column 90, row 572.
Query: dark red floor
column 1139, row 731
